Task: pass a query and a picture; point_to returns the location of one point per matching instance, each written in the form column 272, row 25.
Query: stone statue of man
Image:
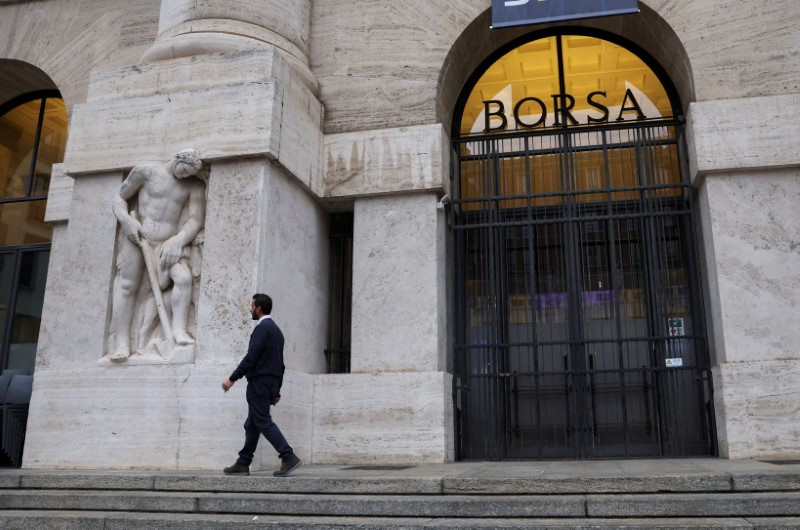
column 161, row 210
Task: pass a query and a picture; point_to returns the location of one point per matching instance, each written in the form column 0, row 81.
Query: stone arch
column 477, row 43
column 18, row 78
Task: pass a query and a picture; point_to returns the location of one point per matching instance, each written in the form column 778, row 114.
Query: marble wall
column 67, row 39
column 399, row 307
column 396, row 418
column 367, row 125
column 751, row 229
column 379, row 63
column 264, row 232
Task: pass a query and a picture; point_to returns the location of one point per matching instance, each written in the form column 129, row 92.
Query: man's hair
column 190, row 157
column 264, row 302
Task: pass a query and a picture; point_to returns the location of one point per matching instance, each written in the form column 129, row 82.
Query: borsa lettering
column 562, row 107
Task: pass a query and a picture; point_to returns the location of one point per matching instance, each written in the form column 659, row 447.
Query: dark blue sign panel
column 507, row 13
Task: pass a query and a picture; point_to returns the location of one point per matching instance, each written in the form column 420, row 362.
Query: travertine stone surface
column 264, row 233
column 399, row 310
column 152, row 417
column 383, row 418
column 386, row 160
column 59, row 195
column 77, row 294
column 68, row 39
column 751, row 249
column 380, row 63
column 293, row 266
column 757, row 407
column 708, row 268
column 755, row 231
column 188, row 28
column 731, row 134
column 252, row 104
column 289, row 19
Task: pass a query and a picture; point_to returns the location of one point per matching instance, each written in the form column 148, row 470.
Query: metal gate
column 579, row 320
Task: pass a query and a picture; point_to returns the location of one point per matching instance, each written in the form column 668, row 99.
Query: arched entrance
column 578, row 308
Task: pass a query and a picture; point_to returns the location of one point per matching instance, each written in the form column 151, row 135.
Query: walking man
column 263, row 367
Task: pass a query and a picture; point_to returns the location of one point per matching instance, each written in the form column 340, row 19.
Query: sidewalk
column 690, row 474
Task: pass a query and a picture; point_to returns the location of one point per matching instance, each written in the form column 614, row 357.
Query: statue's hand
column 131, row 228
column 171, row 252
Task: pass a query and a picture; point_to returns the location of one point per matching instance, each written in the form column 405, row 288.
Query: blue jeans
column 259, row 398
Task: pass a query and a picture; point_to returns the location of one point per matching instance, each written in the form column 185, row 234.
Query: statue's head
column 186, row 163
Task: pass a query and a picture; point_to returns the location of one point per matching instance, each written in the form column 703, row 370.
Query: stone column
column 189, row 27
column 744, row 165
column 230, row 79
column 396, row 405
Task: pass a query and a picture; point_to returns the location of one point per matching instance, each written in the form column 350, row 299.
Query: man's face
column 182, row 170
column 253, row 310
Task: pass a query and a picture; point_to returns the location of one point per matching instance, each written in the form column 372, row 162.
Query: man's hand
column 227, row 384
column 276, row 399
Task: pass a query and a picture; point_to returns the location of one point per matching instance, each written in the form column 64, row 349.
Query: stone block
column 76, row 303
column 741, row 134
column 264, row 233
column 134, row 417
column 396, row 506
column 382, row 418
column 693, row 505
column 241, row 103
column 399, row 311
column 387, row 160
column 98, row 500
column 757, row 409
column 77, row 480
column 751, row 231
column 59, row 195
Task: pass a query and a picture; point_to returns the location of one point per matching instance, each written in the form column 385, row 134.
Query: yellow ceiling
column 590, row 64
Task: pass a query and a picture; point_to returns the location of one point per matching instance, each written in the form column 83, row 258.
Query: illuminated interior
column 590, row 65
column 608, row 85
column 26, row 165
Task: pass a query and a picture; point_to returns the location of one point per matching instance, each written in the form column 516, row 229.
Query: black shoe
column 237, row 469
column 287, row 466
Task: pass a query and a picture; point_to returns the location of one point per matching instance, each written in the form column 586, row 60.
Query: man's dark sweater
column 264, row 357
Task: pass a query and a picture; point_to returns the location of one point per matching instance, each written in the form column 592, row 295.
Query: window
column 32, row 139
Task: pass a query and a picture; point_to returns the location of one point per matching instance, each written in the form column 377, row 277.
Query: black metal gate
column 579, row 320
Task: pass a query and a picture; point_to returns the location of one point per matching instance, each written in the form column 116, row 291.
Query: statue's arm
column 130, row 186
column 196, row 216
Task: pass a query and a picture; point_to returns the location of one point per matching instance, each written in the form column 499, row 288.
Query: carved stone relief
column 161, row 212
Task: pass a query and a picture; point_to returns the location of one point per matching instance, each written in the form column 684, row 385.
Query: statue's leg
column 129, row 269
column 181, row 299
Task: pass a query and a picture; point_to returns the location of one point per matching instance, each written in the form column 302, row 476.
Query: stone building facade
column 309, row 112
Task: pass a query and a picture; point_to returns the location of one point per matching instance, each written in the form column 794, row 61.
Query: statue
column 161, row 212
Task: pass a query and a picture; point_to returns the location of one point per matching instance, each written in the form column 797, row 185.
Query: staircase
column 627, row 494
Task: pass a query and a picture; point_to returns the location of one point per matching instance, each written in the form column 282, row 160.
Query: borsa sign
column 507, row 13
column 562, row 106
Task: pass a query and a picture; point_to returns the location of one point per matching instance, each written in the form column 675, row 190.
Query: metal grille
column 337, row 354
column 579, row 321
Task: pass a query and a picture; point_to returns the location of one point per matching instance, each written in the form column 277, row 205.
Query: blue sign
column 507, row 13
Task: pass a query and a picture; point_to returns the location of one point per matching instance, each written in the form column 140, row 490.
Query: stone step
column 761, row 504
column 60, row 520
column 405, row 485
